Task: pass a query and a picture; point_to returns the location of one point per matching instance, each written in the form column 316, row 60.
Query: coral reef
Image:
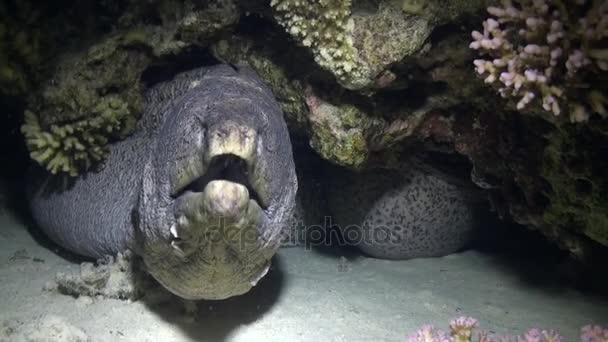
column 549, row 60
column 368, row 83
column 337, row 132
column 547, row 178
column 71, row 148
column 22, row 46
column 34, row 33
column 548, row 55
column 96, row 95
column 573, row 165
column 94, row 98
column 349, row 136
column 358, row 47
column 462, row 330
column 326, row 27
column 337, row 129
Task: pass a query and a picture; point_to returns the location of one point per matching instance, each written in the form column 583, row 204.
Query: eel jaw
column 230, row 154
column 227, row 189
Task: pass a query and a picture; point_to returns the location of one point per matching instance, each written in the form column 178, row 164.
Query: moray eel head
column 217, row 191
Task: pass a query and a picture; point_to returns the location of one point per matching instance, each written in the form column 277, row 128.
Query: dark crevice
column 164, row 71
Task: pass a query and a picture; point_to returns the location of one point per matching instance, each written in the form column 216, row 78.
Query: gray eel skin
column 201, row 191
column 411, row 213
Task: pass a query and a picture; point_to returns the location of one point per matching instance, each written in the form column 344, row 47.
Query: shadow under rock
column 215, row 320
column 540, row 263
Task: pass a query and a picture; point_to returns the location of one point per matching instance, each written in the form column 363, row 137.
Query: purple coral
column 594, row 333
column 541, row 53
column 462, row 330
column 537, row 335
column 428, row 333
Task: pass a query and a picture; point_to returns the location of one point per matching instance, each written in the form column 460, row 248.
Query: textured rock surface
column 359, row 41
column 95, row 94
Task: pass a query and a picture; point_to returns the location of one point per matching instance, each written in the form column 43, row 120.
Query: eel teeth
column 177, row 249
column 174, row 232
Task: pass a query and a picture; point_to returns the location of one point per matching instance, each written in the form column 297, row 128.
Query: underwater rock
column 358, row 44
column 339, row 131
column 326, row 27
column 458, row 115
column 573, row 166
column 544, row 177
column 28, row 39
column 92, row 99
column 95, row 96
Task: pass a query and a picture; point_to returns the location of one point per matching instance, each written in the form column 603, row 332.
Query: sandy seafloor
column 308, row 296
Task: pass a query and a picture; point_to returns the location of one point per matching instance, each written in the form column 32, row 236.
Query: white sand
column 308, row 296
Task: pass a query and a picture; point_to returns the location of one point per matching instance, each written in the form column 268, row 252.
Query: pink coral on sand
column 428, row 333
column 462, row 330
column 594, row 333
column 537, row 335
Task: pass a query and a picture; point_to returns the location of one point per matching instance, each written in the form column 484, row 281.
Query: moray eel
column 404, row 214
column 200, row 192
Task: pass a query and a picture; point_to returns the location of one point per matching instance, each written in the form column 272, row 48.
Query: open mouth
column 228, row 167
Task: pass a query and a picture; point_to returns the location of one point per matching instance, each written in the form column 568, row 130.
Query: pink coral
column 594, row 333
column 428, row 333
column 537, row 335
column 462, row 330
column 541, row 53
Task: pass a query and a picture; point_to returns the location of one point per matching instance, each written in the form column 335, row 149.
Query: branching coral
column 359, row 45
column 546, row 53
column 326, row 27
column 462, row 330
column 95, row 96
column 73, row 147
